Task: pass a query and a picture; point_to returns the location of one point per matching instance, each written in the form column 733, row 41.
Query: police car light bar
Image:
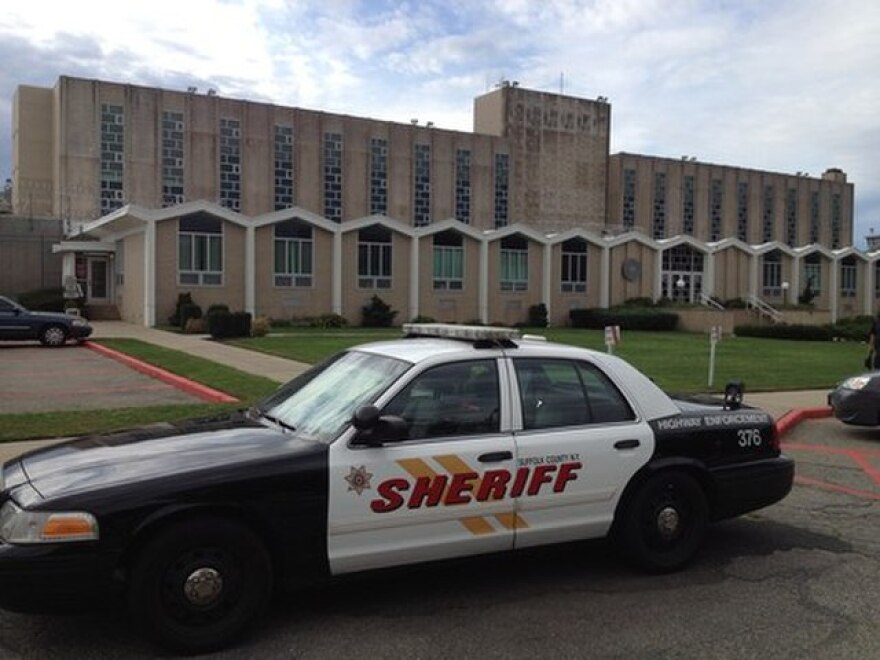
column 465, row 332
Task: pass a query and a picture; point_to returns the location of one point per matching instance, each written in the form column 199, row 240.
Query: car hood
column 193, row 447
column 53, row 316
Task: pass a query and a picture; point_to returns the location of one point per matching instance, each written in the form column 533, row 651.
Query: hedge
column 224, row 325
column 784, row 331
column 43, row 300
column 628, row 318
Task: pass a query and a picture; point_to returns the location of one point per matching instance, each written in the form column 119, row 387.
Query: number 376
column 749, row 437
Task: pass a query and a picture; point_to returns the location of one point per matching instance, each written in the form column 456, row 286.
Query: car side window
column 6, row 306
column 556, row 393
column 456, row 399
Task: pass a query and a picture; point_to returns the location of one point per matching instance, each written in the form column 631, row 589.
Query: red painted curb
column 794, row 417
column 191, row 387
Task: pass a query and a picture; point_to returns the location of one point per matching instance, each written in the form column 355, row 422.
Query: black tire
column 665, row 522
column 53, row 335
column 199, row 584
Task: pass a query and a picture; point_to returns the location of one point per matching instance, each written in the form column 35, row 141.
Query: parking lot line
column 824, row 485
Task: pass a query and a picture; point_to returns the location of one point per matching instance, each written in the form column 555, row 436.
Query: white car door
column 581, row 442
column 442, row 492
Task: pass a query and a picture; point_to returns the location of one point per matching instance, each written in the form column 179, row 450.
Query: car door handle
column 495, row 457
column 626, row 444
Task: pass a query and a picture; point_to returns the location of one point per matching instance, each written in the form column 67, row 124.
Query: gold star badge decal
column 358, row 479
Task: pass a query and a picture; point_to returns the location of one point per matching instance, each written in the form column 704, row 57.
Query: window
column 200, row 250
column 687, row 223
column 773, row 273
column 813, row 273
column 378, row 176
column 629, row 198
column 333, row 176
column 877, row 279
column 848, row 277
column 422, row 186
column 767, row 232
column 374, row 258
column 814, row 216
column 791, row 217
column 659, row 230
column 514, row 263
column 448, row 261
column 230, row 164
column 112, row 156
column 558, row 393
column 293, row 254
column 283, row 167
column 835, row 221
column 502, row 172
column 457, row 399
column 715, row 202
column 574, row 266
column 463, row 185
column 742, row 211
column 172, row 158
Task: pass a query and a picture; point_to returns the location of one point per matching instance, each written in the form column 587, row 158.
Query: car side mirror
column 374, row 429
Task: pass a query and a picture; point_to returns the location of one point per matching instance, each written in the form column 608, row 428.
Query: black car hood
column 196, row 446
column 52, row 316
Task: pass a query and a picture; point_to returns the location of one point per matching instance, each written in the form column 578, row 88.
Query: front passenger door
column 437, row 494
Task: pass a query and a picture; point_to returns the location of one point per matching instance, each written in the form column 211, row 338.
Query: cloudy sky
column 781, row 85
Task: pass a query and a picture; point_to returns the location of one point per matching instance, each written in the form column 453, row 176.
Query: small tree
column 806, row 298
column 378, row 314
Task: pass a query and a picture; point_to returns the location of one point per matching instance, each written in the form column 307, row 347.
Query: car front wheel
column 199, row 584
column 53, row 335
column 665, row 522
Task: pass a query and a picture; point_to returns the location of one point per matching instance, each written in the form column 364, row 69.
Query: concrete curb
column 794, row 417
column 189, row 386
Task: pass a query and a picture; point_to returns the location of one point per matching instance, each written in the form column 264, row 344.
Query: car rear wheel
column 665, row 522
column 199, row 584
column 53, row 335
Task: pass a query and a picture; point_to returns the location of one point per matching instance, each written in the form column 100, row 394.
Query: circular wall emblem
column 631, row 269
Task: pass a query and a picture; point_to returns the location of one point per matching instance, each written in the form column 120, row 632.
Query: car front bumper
column 80, row 331
column 56, row 578
column 858, row 407
column 750, row 486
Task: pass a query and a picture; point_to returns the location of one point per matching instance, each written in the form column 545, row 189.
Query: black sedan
column 857, row 400
column 51, row 328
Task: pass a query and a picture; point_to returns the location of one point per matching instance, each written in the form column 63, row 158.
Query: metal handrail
column 709, row 301
column 764, row 308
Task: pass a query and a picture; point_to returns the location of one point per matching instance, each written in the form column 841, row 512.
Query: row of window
column 660, row 212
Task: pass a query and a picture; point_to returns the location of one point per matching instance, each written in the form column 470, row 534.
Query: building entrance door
column 682, row 286
column 98, row 285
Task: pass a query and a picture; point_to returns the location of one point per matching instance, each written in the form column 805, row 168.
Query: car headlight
column 80, row 323
column 856, row 382
column 20, row 526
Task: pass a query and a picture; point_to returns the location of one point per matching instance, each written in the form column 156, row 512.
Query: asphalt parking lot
column 798, row 579
column 38, row 379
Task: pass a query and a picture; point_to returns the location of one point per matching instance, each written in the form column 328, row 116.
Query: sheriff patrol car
column 452, row 441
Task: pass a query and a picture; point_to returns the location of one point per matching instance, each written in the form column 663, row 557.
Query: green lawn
column 677, row 361
column 246, row 387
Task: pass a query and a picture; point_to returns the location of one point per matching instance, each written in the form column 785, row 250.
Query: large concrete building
column 291, row 212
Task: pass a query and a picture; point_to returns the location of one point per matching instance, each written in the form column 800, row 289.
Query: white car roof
column 650, row 400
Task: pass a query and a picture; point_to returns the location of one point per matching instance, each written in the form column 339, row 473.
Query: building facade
column 290, row 212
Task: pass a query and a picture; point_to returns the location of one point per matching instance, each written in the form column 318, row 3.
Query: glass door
column 98, row 287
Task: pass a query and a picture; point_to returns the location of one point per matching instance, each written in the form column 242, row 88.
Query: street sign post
column 714, row 338
column 612, row 338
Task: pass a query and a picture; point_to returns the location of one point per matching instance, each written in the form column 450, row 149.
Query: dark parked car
column 51, row 328
column 857, row 400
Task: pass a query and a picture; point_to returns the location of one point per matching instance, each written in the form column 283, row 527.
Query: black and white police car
column 452, row 441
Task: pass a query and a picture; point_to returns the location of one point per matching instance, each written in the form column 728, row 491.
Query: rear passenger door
column 580, row 441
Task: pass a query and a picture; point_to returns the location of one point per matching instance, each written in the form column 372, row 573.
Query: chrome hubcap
column 54, row 336
column 668, row 521
column 203, row 587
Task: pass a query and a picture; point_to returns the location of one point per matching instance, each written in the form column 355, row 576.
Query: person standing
column 873, row 359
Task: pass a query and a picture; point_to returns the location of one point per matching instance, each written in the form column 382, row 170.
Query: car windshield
column 319, row 403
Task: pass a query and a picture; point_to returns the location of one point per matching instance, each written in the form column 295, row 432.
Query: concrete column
column 658, row 275
column 68, row 266
column 150, row 274
column 336, row 283
column 795, row 289
column 834, row 289
column 869, row 288
column 414, row 277
column 709, row 275
column 250, row 278
column 753, row 275
column 484, row 281
column 605, row 281
column 548, row 274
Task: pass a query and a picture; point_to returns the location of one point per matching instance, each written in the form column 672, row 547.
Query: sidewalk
column 259, row 364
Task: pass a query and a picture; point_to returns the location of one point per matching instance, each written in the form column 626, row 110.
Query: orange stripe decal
column 416, row 467
column 453, row 464
column 511, row 520
column 477, row 525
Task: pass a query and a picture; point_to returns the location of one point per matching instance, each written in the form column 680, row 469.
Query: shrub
column 537, row 316
column 216, row 307
column 793, row 331
column 260, row 326
column 188, row 311
column 326, row 321
column 43, row 300
column 378, row 314
column 474, row 322
column 627, row 318
column 194, row 326
column 182, row 299
column 424, row 319
column 638, row 302
column 281, row 323
column 224, row 325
